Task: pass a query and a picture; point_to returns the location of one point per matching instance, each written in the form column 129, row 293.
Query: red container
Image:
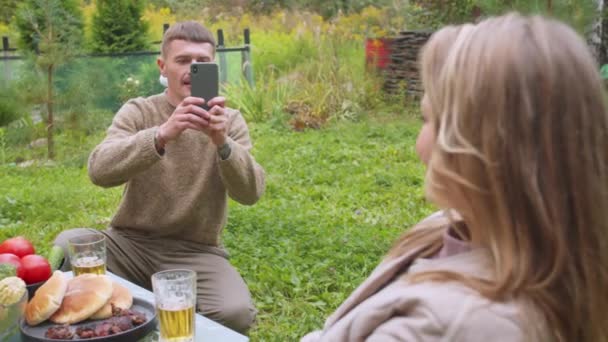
column 378, row 52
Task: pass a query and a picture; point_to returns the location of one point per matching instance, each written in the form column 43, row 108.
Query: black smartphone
column 204, row 81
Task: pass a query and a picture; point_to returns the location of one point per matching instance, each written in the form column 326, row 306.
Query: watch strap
column 224, row 150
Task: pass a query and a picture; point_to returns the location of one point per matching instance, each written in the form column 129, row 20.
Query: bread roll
column 121, row 298
column 86, row 294
column 47, row 299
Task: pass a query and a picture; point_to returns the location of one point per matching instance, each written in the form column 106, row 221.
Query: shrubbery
column 118, row 27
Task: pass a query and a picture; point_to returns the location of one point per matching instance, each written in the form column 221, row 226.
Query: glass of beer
column 88, row 254
column 175, row 295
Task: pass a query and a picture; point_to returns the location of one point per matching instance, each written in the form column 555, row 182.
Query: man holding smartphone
column 180, row 163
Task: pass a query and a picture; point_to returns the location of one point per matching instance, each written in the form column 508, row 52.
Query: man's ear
column 161, row 65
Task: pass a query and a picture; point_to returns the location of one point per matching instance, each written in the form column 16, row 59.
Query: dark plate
column 36, row 333
column 31, row 288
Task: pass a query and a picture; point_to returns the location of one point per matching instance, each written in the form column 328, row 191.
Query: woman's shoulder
column 446, row 310
column 429, row 311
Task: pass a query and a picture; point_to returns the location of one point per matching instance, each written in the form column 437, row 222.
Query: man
column 179, row 163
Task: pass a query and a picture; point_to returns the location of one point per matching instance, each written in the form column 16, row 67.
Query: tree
column 32, row 18
column 51, row 32
column 118, row 27
column 8, row 9
column 580, row 14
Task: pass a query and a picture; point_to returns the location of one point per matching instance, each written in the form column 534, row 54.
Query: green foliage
column 580, row 14
column 435, row 13
column 604, row 72
column 8, row 9
column 3, row 145
column 327, row 9
column 260, row 103
column 42, row 22
column 330, row 9
column 281, row 51
column 11, row 105
column 21, row 132
column 118, row 26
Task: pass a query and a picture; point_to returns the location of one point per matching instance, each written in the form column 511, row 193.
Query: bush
column 11, row 105
column 118, row 26
column 263, row 102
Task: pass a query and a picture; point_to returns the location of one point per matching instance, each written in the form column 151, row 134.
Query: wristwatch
column 224, row 150
column 159, row 143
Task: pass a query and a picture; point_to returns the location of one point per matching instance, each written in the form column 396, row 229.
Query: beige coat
column 387, row 308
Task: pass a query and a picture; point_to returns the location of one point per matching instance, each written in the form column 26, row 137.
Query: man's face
column 175, row 65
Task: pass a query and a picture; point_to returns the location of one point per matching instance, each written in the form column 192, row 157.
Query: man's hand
column 218, row 121
column 187, row 115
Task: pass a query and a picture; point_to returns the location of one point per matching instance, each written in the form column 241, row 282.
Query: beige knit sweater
column 182, row 194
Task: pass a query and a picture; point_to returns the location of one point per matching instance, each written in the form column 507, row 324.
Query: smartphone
column 204, row 81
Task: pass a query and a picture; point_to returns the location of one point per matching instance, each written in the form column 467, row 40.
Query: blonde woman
column 516, row 140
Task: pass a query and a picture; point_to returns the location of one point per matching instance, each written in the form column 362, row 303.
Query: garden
column 342, row 177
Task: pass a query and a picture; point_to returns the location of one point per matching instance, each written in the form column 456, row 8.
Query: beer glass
column 175, row 295
column 88, row 254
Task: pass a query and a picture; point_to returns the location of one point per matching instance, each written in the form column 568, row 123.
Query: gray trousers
column 222, row 294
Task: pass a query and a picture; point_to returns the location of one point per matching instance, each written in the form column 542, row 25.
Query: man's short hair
column 190, row 31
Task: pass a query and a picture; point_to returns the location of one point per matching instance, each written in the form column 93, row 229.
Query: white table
column 206, row 329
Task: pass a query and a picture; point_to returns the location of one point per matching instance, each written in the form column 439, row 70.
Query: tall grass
column 261, row 102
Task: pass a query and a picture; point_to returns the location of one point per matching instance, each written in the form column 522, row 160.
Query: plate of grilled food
column 87, row 307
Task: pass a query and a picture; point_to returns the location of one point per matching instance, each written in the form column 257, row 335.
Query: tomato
column 19, row 246
column 8, row 258
column 36, row 268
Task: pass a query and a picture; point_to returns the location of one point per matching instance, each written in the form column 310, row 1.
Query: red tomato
column 36, row 268
column 18, row 246
column 8, row 258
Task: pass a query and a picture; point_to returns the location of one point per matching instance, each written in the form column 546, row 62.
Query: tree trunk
column 603, row 33
column 549, row 6
column 598, row 35
column 49, row 108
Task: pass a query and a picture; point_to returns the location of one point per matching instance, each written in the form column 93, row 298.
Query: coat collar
column 476, row 263
column 379, row 277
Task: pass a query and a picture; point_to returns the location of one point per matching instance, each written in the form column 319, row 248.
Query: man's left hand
column 218, row 121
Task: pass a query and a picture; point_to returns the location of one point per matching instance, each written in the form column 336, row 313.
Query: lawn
column 335, row 200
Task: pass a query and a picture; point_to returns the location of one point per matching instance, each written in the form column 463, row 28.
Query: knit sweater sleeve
column 127, row 149
column 242, row 176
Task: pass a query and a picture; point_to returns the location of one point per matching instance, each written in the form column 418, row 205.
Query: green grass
column 335, row 200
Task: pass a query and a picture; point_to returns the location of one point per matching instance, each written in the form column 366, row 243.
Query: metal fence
column 106, row 80
column 226, row 57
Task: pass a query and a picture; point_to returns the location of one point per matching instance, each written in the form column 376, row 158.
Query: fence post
column 246, row 59
column 5, row 50
column 222, row 55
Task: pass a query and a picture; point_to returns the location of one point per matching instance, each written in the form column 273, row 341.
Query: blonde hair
column 190, row 31
column 522, row 155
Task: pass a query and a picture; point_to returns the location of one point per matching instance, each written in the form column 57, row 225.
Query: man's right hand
column 187, row 115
